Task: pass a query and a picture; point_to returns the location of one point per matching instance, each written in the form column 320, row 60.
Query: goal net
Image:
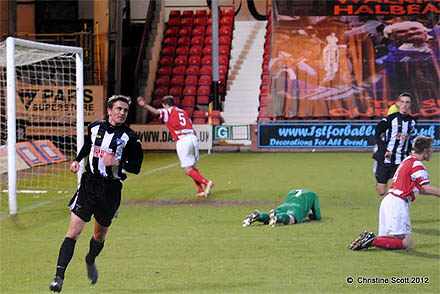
column 41, row 89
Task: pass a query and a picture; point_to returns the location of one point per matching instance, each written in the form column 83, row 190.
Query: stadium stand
column 185, row 66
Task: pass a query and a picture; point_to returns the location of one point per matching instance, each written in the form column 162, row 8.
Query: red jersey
column 408, row 179
column 177, row 121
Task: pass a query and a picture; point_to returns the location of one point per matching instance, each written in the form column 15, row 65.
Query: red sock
column 388, row 243
column 199, row 186
column 196, row 176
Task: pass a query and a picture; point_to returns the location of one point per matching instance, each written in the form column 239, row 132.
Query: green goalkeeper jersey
column 300, row 203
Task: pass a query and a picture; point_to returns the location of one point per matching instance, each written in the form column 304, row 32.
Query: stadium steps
column 244, row 78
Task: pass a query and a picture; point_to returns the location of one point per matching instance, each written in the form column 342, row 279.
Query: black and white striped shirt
column 393, row 134
column 103, row 138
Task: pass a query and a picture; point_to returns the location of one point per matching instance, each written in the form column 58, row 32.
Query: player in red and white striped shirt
column 187, row 145
column 410, row 179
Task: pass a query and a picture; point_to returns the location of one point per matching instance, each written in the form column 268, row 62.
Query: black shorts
column 384, row 172
column 98, row 196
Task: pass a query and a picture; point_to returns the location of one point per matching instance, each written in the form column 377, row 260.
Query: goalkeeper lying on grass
column 300, row 206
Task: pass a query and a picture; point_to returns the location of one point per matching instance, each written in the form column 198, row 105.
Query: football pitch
column 165, row 240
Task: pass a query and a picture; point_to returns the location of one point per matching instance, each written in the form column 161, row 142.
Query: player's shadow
column 417, row 253
column 429, row 232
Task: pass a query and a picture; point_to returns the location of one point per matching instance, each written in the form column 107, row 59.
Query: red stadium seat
column 208, row 31
column 198, row 31
column 203, row 90
column 194, row 60
column 157, row 102
column 197, row 40
column 227, row 12
column 199, row 120
column 169, row 50
column 266, row 59
column 201, row 13
column 189, row 91
column 199, row 113
column 192, row 70
column 225, row 31
column 188, row 13
column 188, row 101
column 188, row 109
column 223, row 59
column 186, row 21
column 200, row 21
column 191, row 80
column 207, row 60
column 170, row 41
column 222, row 69
column 165, row 70
column 185, row 31
column 203, row 99
column 174, row 22
column 162, row 81
column 182, row 41
column 174, row 13
column 177, row 100
column 176, row 91
column 196, row 50
column 156, row 120
column 182, row 50
column 206, row 70
column 208, row 40
column 179, row 70
column 224, row 49
column 205, row 80
column 207, row 50
column 226, row 20
column 224, row 40
column 177, row 81
column 161, row 91
column 171, row 32
column 166, row 61
column 181, row 60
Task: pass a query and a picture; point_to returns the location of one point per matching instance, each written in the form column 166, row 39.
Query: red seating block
column 187, row 22
column 185, row 31
column 203, row 99
column 188, row 13
column 156, row 121
column 201, row 13
column 200, row 21
column 208, row 40
column 226, row 20
column 208, row 31
column 174, row 13
column 203, row 90
column 171, row 32
column 188, row 109
column 225, row 31
column 207, row 60
column 222, row 69
column 205, row 70
column 198, row 31
column 207, row 50
column 223, row 59
column 227, row 12
column 224, row 49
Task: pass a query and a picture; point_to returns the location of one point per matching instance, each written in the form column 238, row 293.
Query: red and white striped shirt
column 177, row 121
column 408, row 179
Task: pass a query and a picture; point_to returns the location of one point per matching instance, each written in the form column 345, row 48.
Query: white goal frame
column 11, row 44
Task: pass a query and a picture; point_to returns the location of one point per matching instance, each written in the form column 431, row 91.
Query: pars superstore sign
column 330, row 135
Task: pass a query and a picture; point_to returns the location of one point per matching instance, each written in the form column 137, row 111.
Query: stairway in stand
column 244, row 79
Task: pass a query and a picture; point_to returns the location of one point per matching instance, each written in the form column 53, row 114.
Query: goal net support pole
column 11, row 44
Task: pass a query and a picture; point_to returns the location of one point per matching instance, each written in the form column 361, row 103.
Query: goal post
column 33, row 70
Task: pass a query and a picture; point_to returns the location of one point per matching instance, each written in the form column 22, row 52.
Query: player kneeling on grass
column 300, row 206
column 187, row 144
column 410, row 179
column 112, row 149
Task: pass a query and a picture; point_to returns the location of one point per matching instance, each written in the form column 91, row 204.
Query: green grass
column 204, row 249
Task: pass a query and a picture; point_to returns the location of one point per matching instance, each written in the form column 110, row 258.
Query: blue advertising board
column 330, row 135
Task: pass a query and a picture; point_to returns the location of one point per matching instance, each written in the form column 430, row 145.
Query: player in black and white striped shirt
column 112, row 149
column 393, row 142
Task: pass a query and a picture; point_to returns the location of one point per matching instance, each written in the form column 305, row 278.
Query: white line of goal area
column 39, row 204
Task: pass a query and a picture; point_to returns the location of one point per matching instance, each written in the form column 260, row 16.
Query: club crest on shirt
column 98, row 152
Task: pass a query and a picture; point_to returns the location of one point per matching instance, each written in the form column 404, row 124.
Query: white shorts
column 394, row 217
column 188, row 150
